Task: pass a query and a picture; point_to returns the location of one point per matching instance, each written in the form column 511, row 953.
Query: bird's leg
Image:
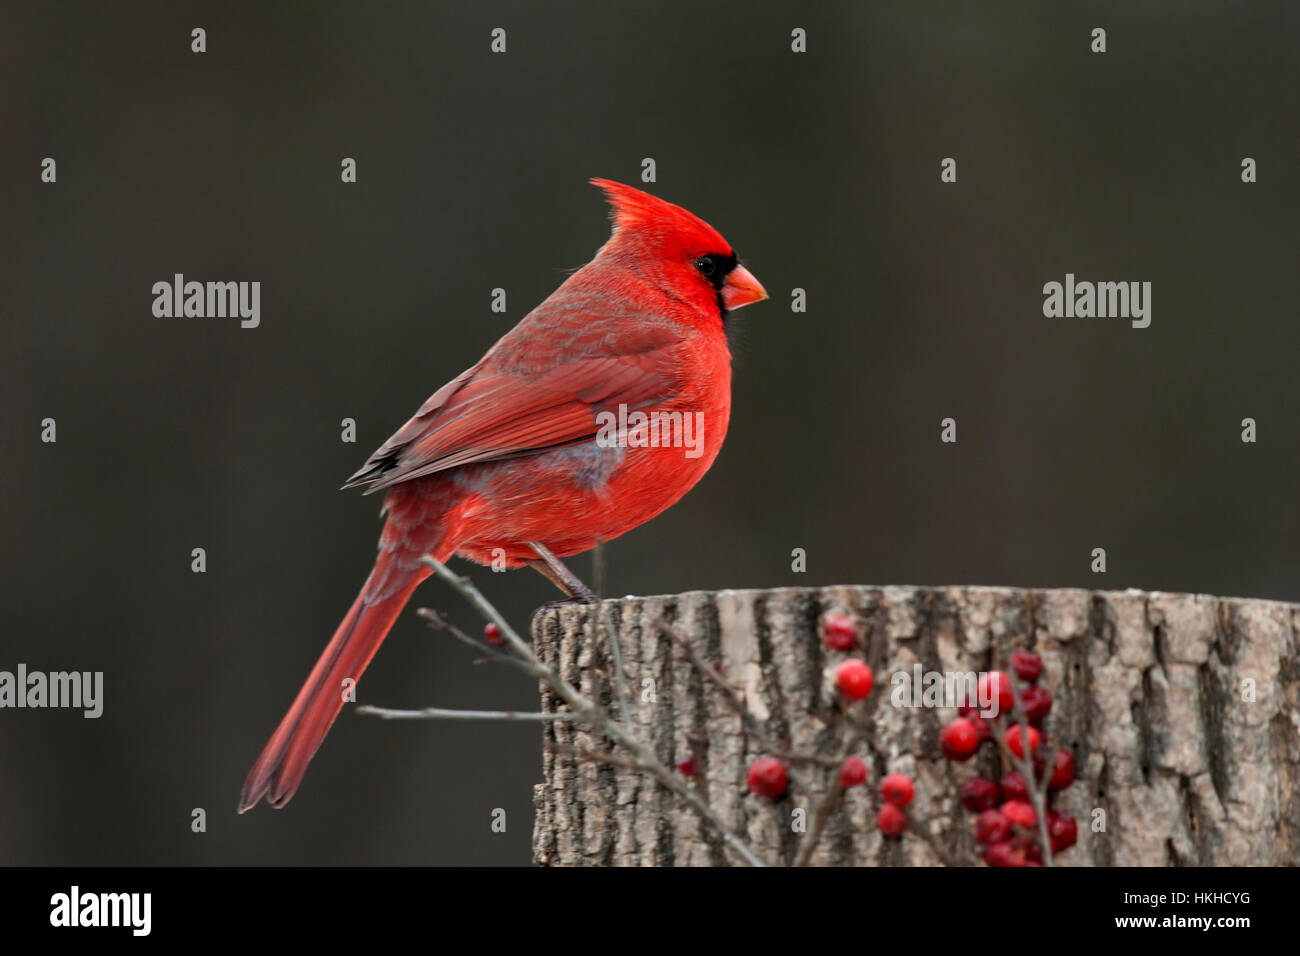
column 559, row 575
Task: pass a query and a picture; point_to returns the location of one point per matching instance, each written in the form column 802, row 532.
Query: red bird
column 536, row 451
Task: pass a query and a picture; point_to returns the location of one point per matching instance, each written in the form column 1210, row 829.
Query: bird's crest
column 640, row 214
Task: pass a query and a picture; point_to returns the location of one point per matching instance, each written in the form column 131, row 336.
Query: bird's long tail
column 280, row 768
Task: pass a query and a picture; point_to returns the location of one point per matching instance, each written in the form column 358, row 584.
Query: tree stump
column 1182, row 711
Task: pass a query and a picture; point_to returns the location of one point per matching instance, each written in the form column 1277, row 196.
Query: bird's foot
column 554, row 605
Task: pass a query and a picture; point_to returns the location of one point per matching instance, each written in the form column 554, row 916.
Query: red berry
column 1014, row 744
column 1062, row 831
column 1062, row 770
column 995, row 687
column 982, row 728
column 839, row 632
column 1020, row 812
column 854, row 679
column 767, row 777
column 992, row 827
column 1027, row 665
column 1013, row 786
column 1016, row 852
column 978, row 794
column 853, row 773
column 1037, row 704
column 898, row 789
column 968, row 710
column 959, row 739
column 687, row 767
column 1027, row 849
column 492, row 634
column 891, row 820
column 999, row 854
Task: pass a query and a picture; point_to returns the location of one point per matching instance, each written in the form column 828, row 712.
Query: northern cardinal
column 513, row 459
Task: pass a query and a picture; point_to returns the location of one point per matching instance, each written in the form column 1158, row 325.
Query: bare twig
column 737, row 703
column 599, row 756
column 585, row 710
column 824, row 806
column 439, row 713
column 620, row 679
column 1037, row 789
column 438, row 621
column 921, row 830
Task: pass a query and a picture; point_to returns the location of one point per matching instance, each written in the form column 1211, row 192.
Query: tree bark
column 1183, row 712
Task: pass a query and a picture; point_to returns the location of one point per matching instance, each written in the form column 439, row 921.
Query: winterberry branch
column 586, row 711
column 824, row 806
column 438, row 621
column 753, row 726
column 440, row 713
column 1037, row 789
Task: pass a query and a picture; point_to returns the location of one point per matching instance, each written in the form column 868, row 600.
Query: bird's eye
column 707, row 265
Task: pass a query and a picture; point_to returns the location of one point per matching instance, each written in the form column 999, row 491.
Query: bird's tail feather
column 280, row 768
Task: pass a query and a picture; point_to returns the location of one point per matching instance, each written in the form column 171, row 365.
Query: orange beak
column 741, row 288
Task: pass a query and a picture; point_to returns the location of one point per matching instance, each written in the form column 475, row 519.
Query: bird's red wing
column 488, row 414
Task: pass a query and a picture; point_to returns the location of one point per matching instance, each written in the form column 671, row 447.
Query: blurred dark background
column 924, row 301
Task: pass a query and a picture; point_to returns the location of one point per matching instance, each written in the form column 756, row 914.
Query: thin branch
column 656, row 769
column 1037, row 789
column 824, row 806
column 737, row 703
column 620, row 679
column 599, row 756
column 488, row 611
column 440, row 713
column 585, row 710
column 921, row 830
column 438, row 621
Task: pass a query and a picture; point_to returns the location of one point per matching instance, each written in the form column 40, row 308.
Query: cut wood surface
column 1182, row 711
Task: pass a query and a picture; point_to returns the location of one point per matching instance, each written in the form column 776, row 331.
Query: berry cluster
column 897, row 789
column 854, row 680
column 1007, row 825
